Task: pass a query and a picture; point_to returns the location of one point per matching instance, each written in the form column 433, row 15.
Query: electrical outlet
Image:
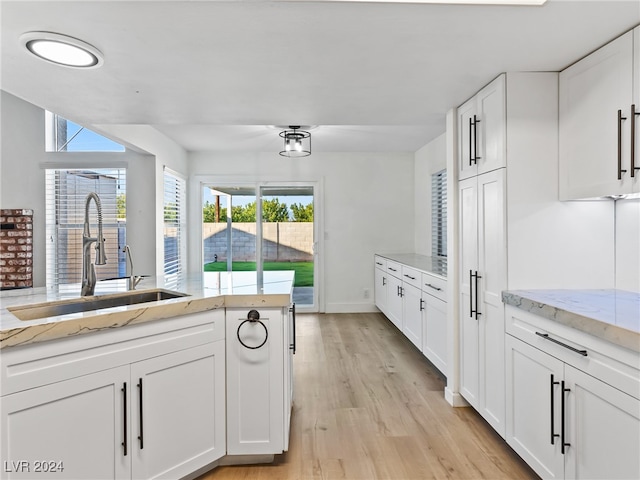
column 366, row 293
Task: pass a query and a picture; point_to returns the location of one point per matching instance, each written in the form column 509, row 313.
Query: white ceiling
column 214, row 75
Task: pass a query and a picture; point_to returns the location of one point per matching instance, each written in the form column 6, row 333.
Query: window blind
column 439, row 214
column 174, row 227
column 66, row 192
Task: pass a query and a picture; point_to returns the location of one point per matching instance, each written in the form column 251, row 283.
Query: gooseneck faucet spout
column 88, row 269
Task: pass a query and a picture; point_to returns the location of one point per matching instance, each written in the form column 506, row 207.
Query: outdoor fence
column 283, row 242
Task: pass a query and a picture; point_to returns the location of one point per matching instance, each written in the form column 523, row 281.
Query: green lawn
column 304, row 270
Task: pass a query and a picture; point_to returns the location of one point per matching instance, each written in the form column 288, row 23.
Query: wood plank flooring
column 368, row 405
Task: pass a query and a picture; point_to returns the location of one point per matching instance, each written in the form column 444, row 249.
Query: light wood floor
column 368, row 406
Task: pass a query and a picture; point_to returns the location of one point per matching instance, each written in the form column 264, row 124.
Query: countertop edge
column 606, row 331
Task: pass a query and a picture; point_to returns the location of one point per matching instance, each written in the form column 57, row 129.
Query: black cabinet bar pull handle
column 384, row 281
column 563, row 444
column 378, row 263
column 141, row 436
column 393, row 269
column 124, row 425
column 470, row 141
column 620, row 119
column 409, row 276
column 553, row 434
column 293, row 317
column 471, row 293
column 477, row 295
column 573, row 349
column 401, row 291
column 475, row 141
column 633, row 140
column 431, row 286
column 421, row 305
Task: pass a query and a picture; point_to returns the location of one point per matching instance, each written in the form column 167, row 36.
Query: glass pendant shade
column 297, row 143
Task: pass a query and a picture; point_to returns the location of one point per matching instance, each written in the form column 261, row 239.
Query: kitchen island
column 167, row 388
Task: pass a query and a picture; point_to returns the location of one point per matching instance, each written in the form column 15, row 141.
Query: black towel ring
column 253, row 317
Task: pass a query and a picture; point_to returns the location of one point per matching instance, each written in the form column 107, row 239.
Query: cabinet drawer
column 411, row 276
column 394, row 268
column 434, row 285
column 614, row 365
column 49, row 362
column 380, row 262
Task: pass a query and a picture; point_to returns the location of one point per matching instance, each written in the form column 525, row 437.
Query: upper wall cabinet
column 481, row 131
column 599, row 109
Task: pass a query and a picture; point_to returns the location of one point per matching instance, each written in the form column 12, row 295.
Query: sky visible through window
column 89, row 141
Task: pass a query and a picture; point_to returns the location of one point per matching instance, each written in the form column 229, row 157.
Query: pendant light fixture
column 297, row 143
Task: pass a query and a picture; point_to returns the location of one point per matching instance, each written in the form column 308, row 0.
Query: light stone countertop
column 205, row 291
column 613, row 315
column 433, row 265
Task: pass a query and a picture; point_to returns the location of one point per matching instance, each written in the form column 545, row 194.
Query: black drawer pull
column 409, row 276
column 378, row 263
column 392, row 269
column 434, row 287
column 547, row 337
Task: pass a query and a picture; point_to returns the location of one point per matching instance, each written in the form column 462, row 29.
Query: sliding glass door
column 264, row 227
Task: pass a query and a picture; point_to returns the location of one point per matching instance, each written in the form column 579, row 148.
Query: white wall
column 628, row 245
column 22, row 180
column 551, row 244
column 367, row 208
column 429, row 159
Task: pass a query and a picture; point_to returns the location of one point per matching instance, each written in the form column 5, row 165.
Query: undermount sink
column 88, row 304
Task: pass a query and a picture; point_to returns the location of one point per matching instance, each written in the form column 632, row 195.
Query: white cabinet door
column 289, row 333
column 482, row 279
column 491, row 126
column 469, row 329
column 412, row 314
column 603, row 427
column 482, row 131
column 636, row 102
column 533, row 407
column 394, row 301
column 591, row 93
column 77, row 424
column 491, row 281
column 255, row 382
column 467, row 114
column 434, row 331
column 380, row 289
column 178, row 412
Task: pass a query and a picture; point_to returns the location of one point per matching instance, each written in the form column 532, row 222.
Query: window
column 63, row 135
column 439, row 214
column 174, row 228
column 66, row 193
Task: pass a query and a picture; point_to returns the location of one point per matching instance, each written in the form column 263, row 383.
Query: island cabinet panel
column 161, row 415
column 256, row 388
column 178, row 412
column 75, row 429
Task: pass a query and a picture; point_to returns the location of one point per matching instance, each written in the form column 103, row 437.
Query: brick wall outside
column 16, row 249
column 284, row 241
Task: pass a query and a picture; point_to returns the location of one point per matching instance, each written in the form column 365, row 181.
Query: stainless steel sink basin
column 88, row 304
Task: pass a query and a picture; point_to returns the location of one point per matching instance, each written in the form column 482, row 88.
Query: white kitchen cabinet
column 412, row 307
column 434, row 331
column 178, row 396
column 483, row 276
column 482, row 130
column 77, row 427
column 395, row 293
column 551, row 403
column 380, row 285
column 256, row 384
column 144, row 401
column 597, row 124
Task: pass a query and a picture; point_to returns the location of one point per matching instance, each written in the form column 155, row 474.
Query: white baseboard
column 454, row 398
column 351, row 308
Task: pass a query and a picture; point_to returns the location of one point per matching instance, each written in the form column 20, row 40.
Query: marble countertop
column 205, row 291
column 434, row 265
column 612, row 315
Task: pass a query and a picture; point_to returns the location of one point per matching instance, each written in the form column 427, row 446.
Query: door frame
column 195, row 255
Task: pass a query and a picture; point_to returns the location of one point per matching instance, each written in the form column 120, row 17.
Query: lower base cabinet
column 565, row 423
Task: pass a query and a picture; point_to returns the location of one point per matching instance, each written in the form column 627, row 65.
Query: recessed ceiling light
column 62, row 50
